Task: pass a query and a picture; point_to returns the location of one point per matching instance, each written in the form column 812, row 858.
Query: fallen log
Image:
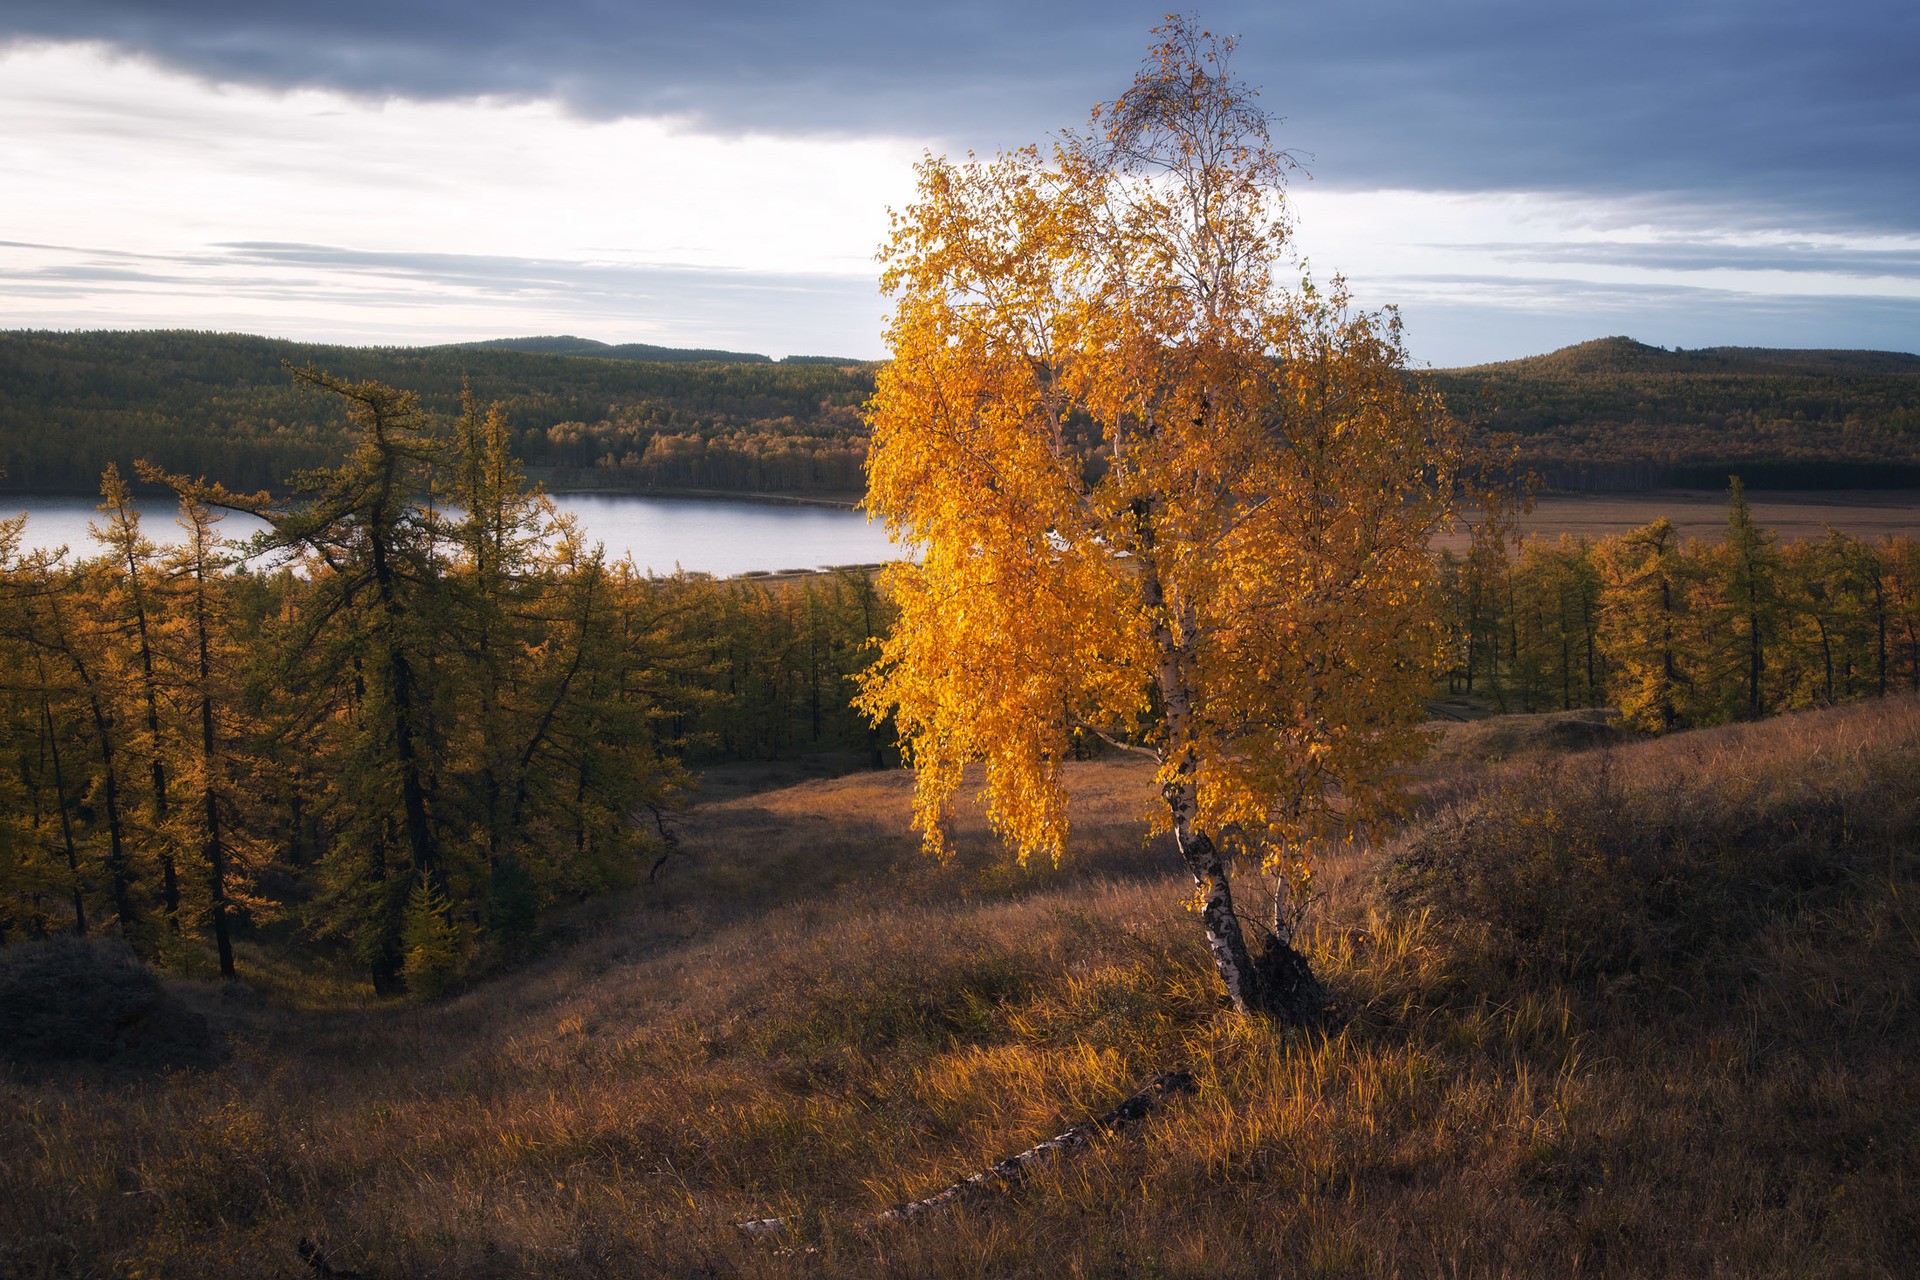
column 1012, row 1170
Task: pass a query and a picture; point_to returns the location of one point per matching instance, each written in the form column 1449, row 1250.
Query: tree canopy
column 1159, row 494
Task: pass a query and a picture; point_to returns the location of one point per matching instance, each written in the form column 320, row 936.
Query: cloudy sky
column 1516, row 175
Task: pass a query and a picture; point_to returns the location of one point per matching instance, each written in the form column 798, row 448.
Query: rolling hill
column 1618, row 414
column 1609, row 414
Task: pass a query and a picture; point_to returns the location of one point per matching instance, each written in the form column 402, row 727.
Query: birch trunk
column 1225, row 939
column 1279, row 982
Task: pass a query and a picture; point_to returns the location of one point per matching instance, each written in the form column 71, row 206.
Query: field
column 1644, row 1011
column 1696, row 513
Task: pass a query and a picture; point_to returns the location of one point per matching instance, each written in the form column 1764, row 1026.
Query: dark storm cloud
column 1782, row 109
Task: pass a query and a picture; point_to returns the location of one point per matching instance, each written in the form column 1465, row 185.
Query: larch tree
column 1748, row 581
column 1156, row 495
column 208, row 661
column 1647, row 630
column 85, row 660
column 356, row 661
column 1901, row 556
column 130, row 567
column 36, row 826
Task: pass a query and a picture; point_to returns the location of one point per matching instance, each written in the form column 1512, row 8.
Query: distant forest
column 1610, row 414
column 224, row 405
column 1616, row 414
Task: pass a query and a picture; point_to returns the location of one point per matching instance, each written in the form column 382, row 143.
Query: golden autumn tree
column 1156, row 495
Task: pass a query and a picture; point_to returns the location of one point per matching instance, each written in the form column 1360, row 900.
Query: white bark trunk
column 1197, row 849
column 1009, row 1172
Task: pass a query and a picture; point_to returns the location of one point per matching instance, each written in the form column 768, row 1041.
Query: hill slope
column 1616, row 414
column 222, row 405
column 568, row 345
column 1618, row 356
column 1649, row 1012
column 1606, row 414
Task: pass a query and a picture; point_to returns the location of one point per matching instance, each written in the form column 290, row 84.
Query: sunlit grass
column 808, row 1021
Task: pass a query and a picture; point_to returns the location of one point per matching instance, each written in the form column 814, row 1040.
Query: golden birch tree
column 1156, row 494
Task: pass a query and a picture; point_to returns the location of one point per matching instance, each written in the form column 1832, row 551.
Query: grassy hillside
column 1616, row 414
column 1647, row 1011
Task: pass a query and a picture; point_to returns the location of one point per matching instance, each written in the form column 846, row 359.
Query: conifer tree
column 1838, row 615
column 1557, row 591
column 361, row 649
column 130, row 567
column 81, row 659
column 208, row 662
column 36, row 824
column 1749, row 592
column 1643, row 627
column 1900, row 560
column 498, row 586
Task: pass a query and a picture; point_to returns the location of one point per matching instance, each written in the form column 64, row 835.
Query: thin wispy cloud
column 1850, row 262
column 370, row 295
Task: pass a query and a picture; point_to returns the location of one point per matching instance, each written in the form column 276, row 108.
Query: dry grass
column 1871, row 514
column 1492, row 738
column 809, row 1021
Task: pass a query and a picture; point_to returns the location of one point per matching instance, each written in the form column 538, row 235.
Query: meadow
column 1870, row 514
column 1643, row 1009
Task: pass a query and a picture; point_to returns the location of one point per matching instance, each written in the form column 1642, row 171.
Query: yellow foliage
column 1156, row 493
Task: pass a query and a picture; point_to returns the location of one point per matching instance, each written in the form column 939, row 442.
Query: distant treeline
column 1611, row 414
column 571, row 346
column 403, row 736
column 1678, row 634
column 224, row 405
column 1615, row 414
column 568, row 345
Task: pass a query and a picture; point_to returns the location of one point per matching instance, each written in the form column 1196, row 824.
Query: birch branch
column 1014, row 1169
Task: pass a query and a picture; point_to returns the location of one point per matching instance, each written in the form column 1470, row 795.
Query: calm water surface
column 701, row 535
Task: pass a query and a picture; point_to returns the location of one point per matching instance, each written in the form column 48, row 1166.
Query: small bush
column 1512, row 737
column 92, row 999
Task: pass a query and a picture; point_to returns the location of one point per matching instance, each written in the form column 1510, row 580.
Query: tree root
column 1289, row 991
column 1012, row 1170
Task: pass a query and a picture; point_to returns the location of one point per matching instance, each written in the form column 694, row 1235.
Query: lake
column 721, row 536
column 730, row 536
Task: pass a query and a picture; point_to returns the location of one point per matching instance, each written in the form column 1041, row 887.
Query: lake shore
column 1695, row 513
column 1702, row 513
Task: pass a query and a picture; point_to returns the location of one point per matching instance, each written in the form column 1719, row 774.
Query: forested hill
column 1615, row 413
column 1617, row 357
column 222, row 405
column 1609, row 414
column 568, row 345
